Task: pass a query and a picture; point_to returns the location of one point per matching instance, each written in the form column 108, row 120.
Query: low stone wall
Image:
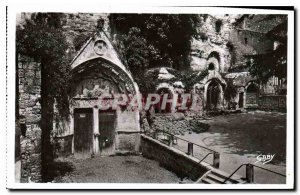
column 272, row 102
column 127, row 142
column 172, row 159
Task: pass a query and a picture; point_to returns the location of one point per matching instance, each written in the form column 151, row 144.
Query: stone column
column 96, row 130
column 30, row 110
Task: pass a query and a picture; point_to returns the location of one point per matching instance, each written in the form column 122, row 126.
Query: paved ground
column 117, row 169
column 241, row 137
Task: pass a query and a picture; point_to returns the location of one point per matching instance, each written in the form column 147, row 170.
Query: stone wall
column 272, row 103
column 79, row 27
column 250, row 35
column 210, row 40
column 178, row 123
column 29, row 77
column 179, row 162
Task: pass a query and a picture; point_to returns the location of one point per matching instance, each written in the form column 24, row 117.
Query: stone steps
column 218, row 177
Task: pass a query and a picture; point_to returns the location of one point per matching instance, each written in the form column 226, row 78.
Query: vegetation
column 265, row 66
column 273, row 63
column 229, row 93
column 42, row 39
column 153, row 40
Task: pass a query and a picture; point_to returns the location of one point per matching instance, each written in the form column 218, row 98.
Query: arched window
column 214, row 54
column 211, row 66
column 218, row 25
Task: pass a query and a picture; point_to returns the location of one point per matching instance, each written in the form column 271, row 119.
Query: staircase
column 216, row 176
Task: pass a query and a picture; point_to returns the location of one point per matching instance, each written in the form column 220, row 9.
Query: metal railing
column 172, row 141
column 250, row 172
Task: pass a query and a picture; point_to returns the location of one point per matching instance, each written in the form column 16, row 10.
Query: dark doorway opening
column 107, row 123
column 83, row 132
column 211, row 66
column 213, row 95
column 252, row 94
column 241, row 100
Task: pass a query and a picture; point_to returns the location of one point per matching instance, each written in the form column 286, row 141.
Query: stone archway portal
column 213, row 95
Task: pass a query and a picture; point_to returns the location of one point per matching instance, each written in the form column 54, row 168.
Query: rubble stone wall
column 30, row 115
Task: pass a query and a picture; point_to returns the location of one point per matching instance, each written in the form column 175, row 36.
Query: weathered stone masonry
column 30, row 115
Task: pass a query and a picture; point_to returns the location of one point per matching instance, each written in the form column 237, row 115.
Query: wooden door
column 83, row 132
column 107, row 122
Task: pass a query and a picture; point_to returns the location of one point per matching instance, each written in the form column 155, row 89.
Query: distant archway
column 214, row 54
column 213, row 61
column 213, row 95
column 251, row 94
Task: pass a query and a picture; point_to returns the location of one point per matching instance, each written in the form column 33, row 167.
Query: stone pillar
column 31, row 155
column 30, row 109
column 96, row 129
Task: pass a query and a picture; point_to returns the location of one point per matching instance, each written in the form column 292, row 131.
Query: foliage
column 270, row 64
column 190, row 78
column 42, row 39
column 154, row 40
column 230, row 90
column 199, row 127
column 273, row 63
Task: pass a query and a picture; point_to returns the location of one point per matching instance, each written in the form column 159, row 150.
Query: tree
column 154, row 40
column 272, row 63
column 42, row 38
column 264, row 66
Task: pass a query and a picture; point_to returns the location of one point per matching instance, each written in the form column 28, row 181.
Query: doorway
column 107, row 126
column 252, row 95
column 241, row 100
column 213, row 95
column 83, row 132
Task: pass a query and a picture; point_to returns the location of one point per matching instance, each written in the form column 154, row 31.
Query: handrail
column 269, row 170
column 232, row 173
column 186, row 140
column 253, row 166
column 204, row 157
column 199, row 162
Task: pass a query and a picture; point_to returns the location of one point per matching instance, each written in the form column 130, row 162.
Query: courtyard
column 240, row 138
column 116, row 169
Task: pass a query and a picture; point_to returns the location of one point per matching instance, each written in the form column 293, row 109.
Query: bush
column 199, row 127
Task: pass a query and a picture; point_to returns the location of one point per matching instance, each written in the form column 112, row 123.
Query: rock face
column 210, row 46
column 30, row 116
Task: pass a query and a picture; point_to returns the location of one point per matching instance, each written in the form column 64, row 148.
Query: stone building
column 224, row 46
column 97, row 70
column 252, row 36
